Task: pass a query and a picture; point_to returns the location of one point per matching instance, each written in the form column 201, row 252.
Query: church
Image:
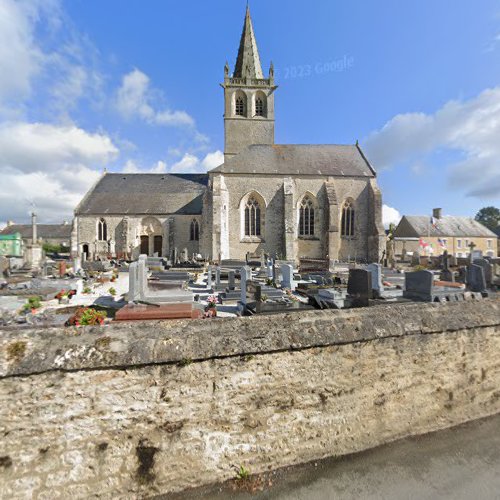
column 286, row 200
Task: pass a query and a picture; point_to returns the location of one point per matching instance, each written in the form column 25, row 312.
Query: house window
column 194, row 231
column 348, row 219
column 259, row 106
column 102, row 230
column 252, row 217
column 489, row 243
column 459, row 244
column 466, row 243
column 240, row 106
column 306, row 218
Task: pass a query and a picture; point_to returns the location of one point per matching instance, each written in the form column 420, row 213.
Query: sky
column 133, row 86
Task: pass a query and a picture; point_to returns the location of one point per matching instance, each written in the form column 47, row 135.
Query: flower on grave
column 87, row 316
column 212, row 301
column 63, row 294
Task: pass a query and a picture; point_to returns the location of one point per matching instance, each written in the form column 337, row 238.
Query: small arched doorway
column 151, row 237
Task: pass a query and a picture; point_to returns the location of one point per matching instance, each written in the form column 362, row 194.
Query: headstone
column 476, row 254
column 246, row 275
column 209, row 277
column 275, row 273
column 418, row 285
column 415, row 259
column 287, row 275
column 269, row 270
column 377, row 284
column 185, row 255
column 475, row 278
column 217, row 275
column 77, row 266
column 446, row 274
column 231, row 280
column 488, row 270
column 133, row 282
column 359, row 287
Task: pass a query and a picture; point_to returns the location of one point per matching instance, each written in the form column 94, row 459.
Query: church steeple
column 248, row 60
column 248, row 97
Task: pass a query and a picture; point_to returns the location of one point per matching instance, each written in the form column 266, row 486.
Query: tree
column 489, row 217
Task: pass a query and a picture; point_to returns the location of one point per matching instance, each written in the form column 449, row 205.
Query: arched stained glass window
column 195, row 231
column 306, row 217
column 252, row 217
column 102, row 230
column 348, row 219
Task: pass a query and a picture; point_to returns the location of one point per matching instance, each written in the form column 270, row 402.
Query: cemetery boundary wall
column 134, row 410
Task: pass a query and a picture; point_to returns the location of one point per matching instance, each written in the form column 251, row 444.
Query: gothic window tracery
column 348, row 219
column 306, row 217
column 102, row 230
column 194, row 231
column 252, row 217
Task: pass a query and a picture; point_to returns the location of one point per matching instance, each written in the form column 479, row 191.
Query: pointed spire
column 248, row 61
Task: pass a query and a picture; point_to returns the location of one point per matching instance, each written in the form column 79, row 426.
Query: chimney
column 437, row 213
column 33, row 226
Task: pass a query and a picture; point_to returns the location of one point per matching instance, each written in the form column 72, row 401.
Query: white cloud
column 30, row 147
column 470, row 129
column 49, row 166
column 134, row 100
column 20, row 58
column 390, row 216
column 190, row 163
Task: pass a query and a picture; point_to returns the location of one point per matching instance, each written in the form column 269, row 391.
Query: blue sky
column 134, row 86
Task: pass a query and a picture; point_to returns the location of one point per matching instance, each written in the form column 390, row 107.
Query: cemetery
column 154, row 288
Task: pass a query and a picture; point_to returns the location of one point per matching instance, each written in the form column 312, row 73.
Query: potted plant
column 32, row 305
column 211, row 308
column 63, row 297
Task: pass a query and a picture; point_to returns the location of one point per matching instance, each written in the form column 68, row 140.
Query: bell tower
column 248, row 97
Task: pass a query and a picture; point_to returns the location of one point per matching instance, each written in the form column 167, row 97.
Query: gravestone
column 377, row 284
column 287, row 275
column 415, row 259
column 475, row 278
column 209, row 277
column 231, row 280
column 359, row 287
column 246, row 275
column 185, row 255
column 269, row 270
column 488, row 270
column 446, row 274
column 217, row 276
column 418, row 285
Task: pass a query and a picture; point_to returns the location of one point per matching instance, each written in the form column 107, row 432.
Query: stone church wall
column 178, row 238
column 271, row 189
column 130, row 411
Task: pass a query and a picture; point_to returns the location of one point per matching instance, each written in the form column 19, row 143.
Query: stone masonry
column 135, row 410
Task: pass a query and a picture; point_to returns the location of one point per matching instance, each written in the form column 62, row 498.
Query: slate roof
column 143, row 194
column 44, row 231
column 297, row 159
column 449, row 225
column 248, row 60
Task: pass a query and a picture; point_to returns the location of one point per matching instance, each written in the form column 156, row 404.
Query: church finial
column 248, row 60
column 226, row 70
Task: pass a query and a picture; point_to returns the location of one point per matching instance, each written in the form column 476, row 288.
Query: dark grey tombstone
column 475, row 278
column 359, row 287
column 488, row 270
column 418, row 286
column 462, row 275
column 415, row 259
column 231, row 281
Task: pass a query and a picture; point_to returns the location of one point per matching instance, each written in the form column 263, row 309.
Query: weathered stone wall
column 87, row 232
column 133, row 410
column 276, row 221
